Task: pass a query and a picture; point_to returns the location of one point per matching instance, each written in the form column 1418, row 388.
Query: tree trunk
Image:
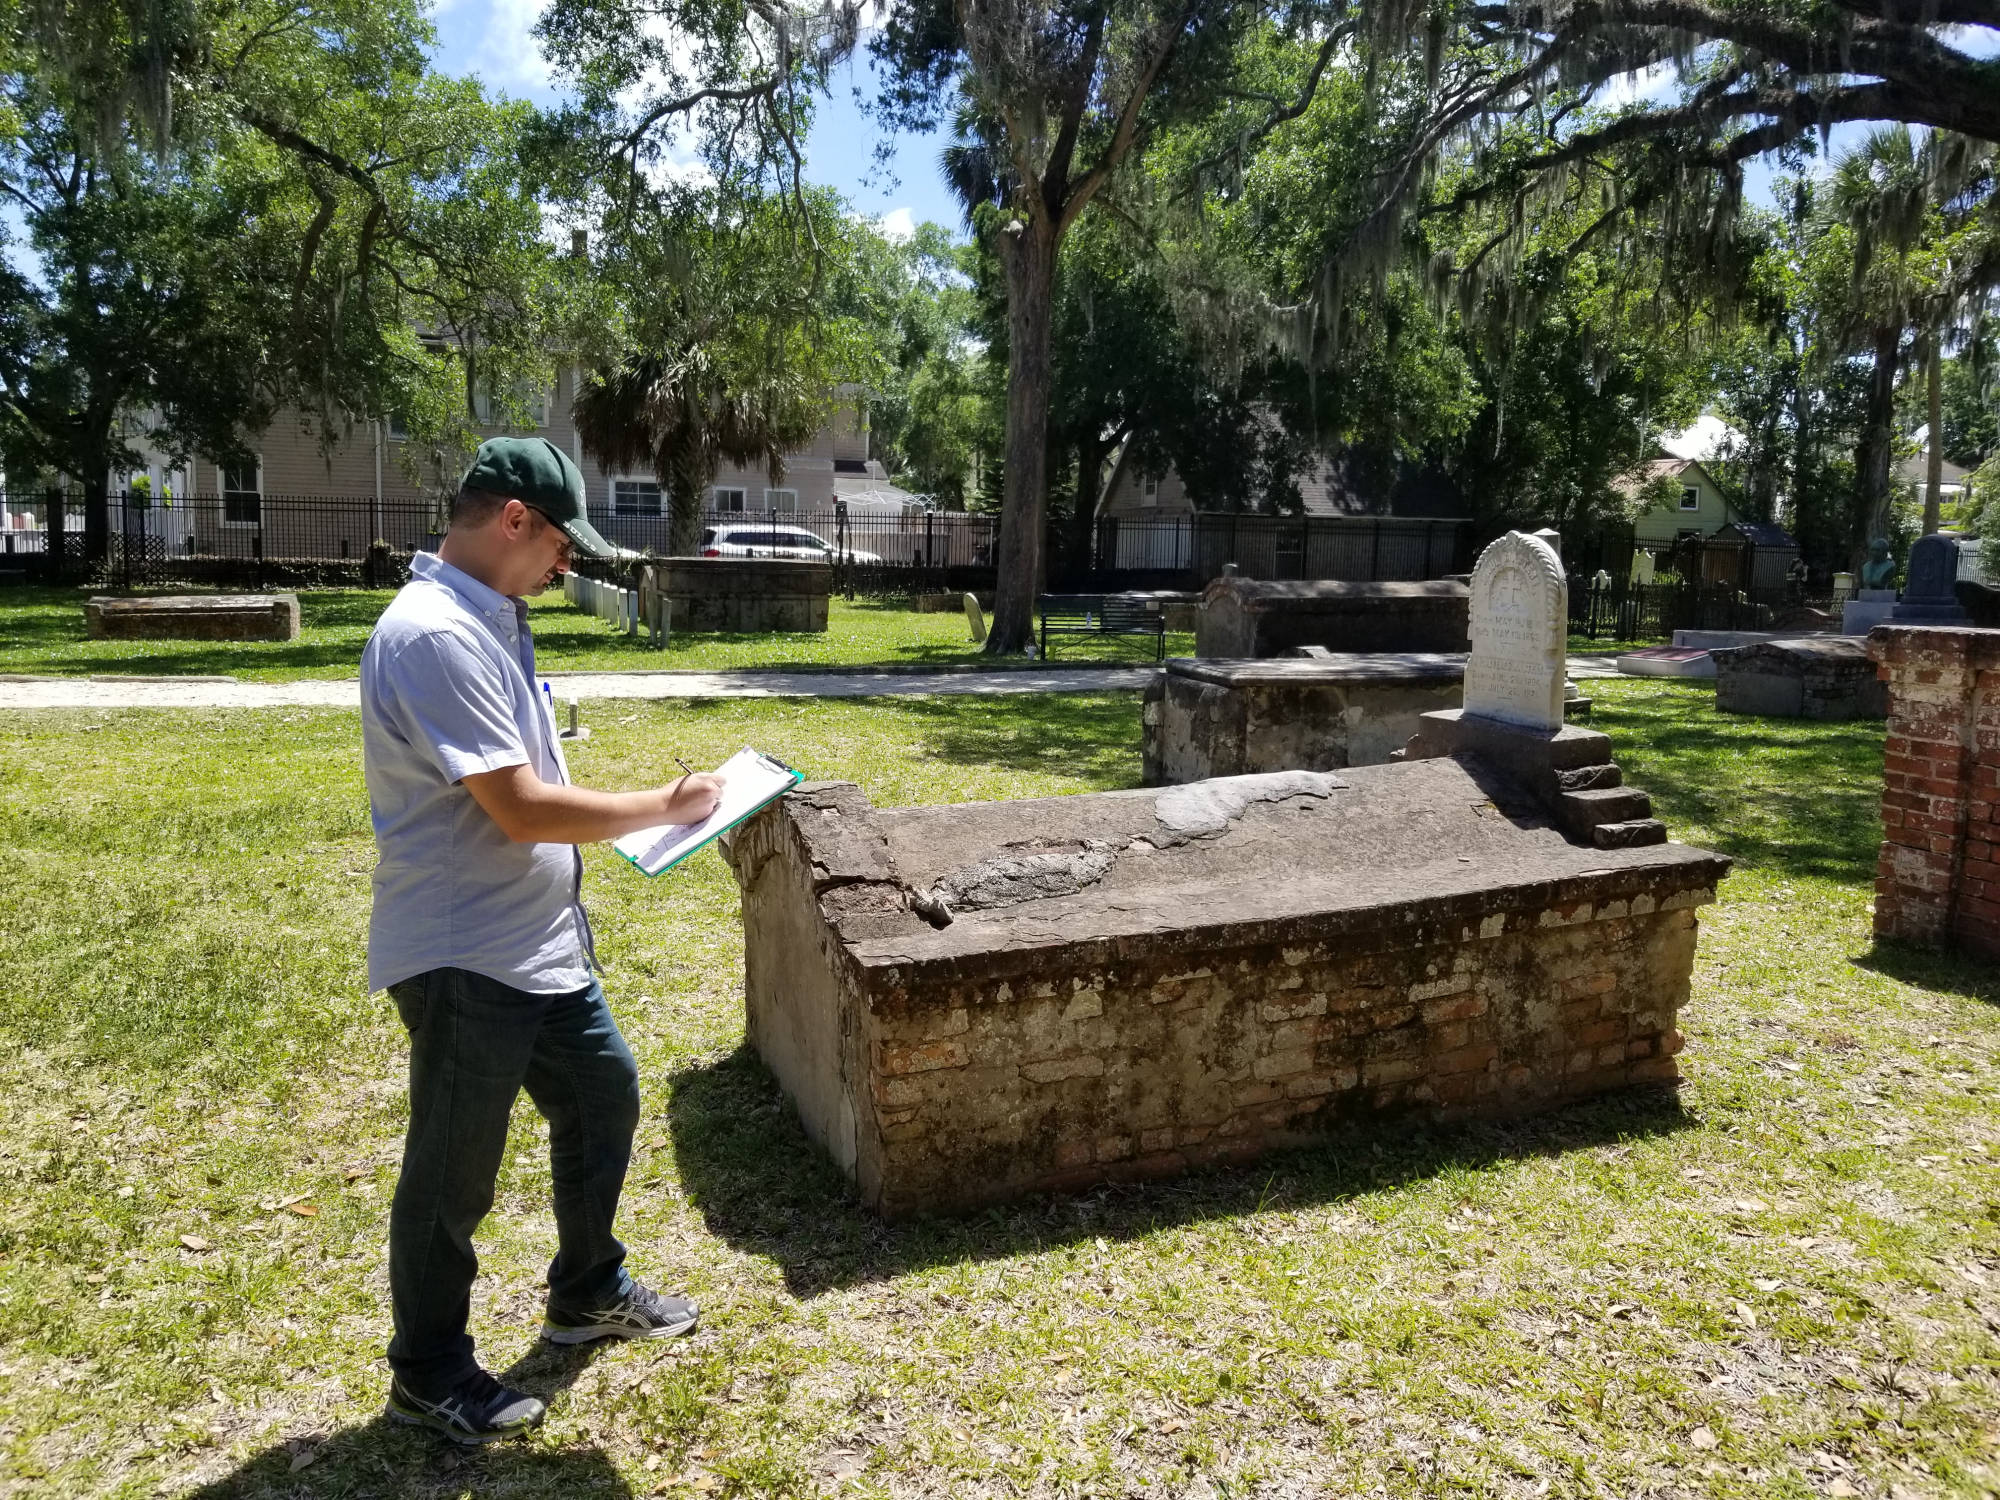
column 1028, row 253
column 97, row 515
column 683, row 522
column 1934, row 477
column 1090, row 453
column 1878, row 425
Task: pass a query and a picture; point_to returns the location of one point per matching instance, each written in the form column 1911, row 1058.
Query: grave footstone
column 1927, row 590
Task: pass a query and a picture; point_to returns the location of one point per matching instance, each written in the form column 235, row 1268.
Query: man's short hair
column 472, row 508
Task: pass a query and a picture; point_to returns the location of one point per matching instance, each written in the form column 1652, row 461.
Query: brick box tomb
column 750, row 594
column 968, row 1003
column 1812, row 677
column 1256, row 617
column 1317, row 713
column 194, row 617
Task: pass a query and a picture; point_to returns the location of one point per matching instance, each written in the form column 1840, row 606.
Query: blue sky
column 491, row 38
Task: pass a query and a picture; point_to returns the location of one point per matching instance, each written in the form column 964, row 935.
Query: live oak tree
column 230, row 211
column 1059, row 95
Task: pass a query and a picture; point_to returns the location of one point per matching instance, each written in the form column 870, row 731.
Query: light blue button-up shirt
column 448, row 691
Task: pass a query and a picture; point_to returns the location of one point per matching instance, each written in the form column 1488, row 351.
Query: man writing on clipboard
column 479, row 935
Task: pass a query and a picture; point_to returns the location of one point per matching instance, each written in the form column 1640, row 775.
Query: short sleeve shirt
column 448, row 691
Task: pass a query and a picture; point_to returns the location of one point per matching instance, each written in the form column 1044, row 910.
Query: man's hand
column 693, row 797
column 530, row 810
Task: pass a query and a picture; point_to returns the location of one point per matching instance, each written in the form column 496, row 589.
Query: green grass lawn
column 1786, row 1284
column 41, row 632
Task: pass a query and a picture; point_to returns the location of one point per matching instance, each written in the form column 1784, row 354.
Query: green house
column 1697, row 509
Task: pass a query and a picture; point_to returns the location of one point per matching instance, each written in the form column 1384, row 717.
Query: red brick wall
column 1938, row 878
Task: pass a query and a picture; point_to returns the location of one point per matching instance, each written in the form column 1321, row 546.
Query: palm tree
column 678, row 415
column 1926, row 245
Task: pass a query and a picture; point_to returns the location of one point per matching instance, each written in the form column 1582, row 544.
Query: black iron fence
column 1355, row 549
column 241, row 540
column 235, row 540
column 1619, row 610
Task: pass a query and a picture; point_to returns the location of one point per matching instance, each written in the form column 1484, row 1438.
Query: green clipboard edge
column 797, row 777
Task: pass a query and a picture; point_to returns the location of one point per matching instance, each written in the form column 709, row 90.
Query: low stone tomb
column 1813, row 677
column 1320, row 712
column 967, row 1003
column 194, row 617
column 749, row 594
column 1244, row 617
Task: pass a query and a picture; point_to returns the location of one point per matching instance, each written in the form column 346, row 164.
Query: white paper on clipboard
column 749, row 780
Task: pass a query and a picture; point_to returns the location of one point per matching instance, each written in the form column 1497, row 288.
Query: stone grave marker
column 1520, row 624
column 1928, row 598
column 975, row 621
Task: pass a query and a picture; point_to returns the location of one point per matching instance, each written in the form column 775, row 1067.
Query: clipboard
column 751, row 780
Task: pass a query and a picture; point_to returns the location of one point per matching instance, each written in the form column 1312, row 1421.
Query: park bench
column 1099, row 615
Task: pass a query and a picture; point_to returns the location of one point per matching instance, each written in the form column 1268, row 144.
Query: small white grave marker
column 1520, row 623
column 974, row 620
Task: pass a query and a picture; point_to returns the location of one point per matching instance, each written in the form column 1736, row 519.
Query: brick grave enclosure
column 753, row 594
column 194, row 617
column 967, row 1003
column 1938, row 879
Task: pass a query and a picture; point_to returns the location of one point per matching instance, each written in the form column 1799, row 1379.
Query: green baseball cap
column 537, row 473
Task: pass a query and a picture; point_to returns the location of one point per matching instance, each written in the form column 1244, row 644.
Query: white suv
column 766, row 540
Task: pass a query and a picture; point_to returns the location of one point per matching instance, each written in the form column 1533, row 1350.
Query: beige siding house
column 305, row 499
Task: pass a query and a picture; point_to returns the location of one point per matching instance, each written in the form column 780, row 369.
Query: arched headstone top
column 1520, row 625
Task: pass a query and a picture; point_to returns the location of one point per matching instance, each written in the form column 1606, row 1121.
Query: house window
column 635, row 497
column 1690, row 499
column 726, row 499
column 1149, row 491
column 243, row 494
column 491, row 409
column 781, row 499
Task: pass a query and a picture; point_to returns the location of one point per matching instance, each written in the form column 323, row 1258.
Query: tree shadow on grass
column 1793, row 795
column 765, row 1189
column 1093, row 735
column 1934, row 969
column 388, row 1459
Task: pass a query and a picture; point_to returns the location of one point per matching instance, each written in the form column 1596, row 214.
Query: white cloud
column 898, row 224
column 1654, row 85
column 494, row 39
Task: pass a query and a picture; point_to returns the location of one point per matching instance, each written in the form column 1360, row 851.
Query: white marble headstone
column 1520, row 624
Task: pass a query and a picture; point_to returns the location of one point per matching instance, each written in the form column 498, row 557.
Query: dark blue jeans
column 474, row 1044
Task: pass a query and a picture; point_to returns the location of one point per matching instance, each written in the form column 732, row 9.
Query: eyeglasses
column 565, row 548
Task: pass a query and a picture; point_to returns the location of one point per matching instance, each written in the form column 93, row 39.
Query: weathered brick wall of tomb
column 1938, row 877
column 941, row 1084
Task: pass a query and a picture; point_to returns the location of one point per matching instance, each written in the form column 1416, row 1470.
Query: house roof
column 1636, row 478
column 871, row 492
column 1916, row 470
column 1760, row 533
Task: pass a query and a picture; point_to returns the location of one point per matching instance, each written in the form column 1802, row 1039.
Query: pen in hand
column 684, row 765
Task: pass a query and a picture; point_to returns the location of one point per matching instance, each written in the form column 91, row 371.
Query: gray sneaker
column 479, row 1409
column 641, row 1313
